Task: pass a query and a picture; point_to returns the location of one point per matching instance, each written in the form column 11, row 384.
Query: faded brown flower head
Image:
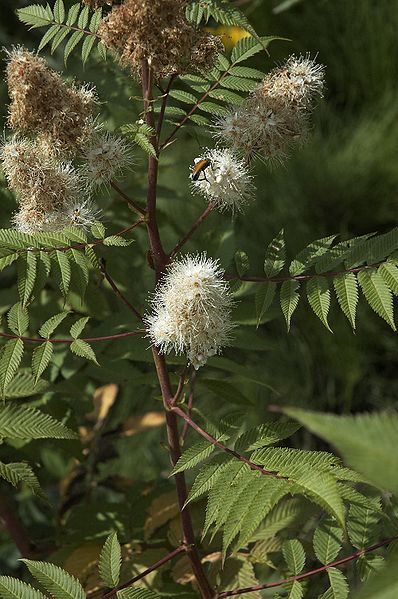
column 94, row 4
column 43, row 104
column 45, row 188
column 158, row 31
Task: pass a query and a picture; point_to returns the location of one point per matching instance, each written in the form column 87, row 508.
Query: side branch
column 117, row 292
column 278, row 583
column 329, row 273
column 88, row 339
column 221, row 446
column 145, row 573
column 192, row 230
column 133, row 205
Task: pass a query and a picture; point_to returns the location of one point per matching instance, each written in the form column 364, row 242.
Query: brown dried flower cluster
column 94, row 4
column 158, row 31
column 42, row 104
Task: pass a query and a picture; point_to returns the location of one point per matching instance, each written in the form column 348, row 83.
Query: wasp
column 201, row 164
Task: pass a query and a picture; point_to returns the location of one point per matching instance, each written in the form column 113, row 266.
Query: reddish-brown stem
column 192, row 230
column 87, row 339
column 278, row 583
column 15, row 528
column 182, row 493
column 152, row 568
column 133, row 205
column 299, row 278
column 221, row 446
column 163, row 106
column 190, row 405
column 117, row 291
column 159, row 257
column 180, row 387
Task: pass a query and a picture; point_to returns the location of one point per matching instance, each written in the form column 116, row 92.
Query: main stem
column 159, row 261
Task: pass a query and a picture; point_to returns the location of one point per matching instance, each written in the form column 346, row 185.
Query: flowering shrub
column 256, row 512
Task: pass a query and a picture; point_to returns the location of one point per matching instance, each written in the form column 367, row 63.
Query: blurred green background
column 343, row 181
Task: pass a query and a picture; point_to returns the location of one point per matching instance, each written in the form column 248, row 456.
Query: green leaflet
column 62, row 271
column 294, row 554
column 20, row 472
column 365, row 441
column 27, row 267
column 10, row 359
column 41, row 358
column 18, row 319
column 110, row 561
column 267, row 497
column 131, row 593
column 338, row 585
column 309, row 255
column 62, row 24
column 77, row 328
column 346, row 288
column 20, row 422
column 318, row 295
column 193, row 455
column 378, row 294
column 83, row 350
column 48, row 327
column 275, row 255
column 322, row 488
column 327, row 541
column 382, row 584
column 265, row 434
column 55, row 580
column 264, row 296
column 364, row 526
column 289, row 299
column 11, row 588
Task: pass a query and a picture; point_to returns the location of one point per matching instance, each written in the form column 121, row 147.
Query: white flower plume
column 191, row 310
column 105, row 156
column 275, row 115
column 226, row 180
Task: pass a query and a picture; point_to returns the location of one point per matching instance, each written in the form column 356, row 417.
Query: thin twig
column 279, row 583
column 117, row 291
column 87, row 339
column 163, row 107
column 190, row 406
column 192, row 230
column 156, row 566
column 133, row 205
column 221, row 446
column 299, row 278
column 180, row 387
column 14, row 527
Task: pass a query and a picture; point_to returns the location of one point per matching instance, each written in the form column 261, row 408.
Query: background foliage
column 343, row 181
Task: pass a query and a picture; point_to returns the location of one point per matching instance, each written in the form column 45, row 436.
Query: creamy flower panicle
column 226, row 181
column 191, row 310
column 106, row 155
column 276, row 114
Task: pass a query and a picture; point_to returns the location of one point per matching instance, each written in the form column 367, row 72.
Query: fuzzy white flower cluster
column 276, row 114
column 225, row 180
column 191, row 310
column 105, row 156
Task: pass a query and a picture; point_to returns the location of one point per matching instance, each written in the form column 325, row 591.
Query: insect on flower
column 201, row 164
